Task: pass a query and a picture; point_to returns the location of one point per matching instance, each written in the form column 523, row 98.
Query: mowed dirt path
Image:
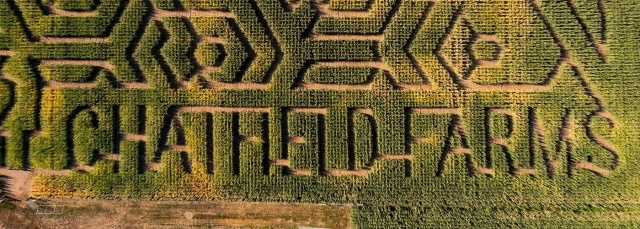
column 18, row 182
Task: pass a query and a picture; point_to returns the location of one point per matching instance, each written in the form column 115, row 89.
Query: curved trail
column 494, row 39
column 593, row 168
column 7, row 77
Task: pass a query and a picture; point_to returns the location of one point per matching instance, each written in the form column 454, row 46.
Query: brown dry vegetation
column 147, row 214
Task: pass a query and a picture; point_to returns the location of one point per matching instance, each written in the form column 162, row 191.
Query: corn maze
column 435, row 114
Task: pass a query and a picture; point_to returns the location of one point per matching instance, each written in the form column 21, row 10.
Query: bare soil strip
column 280, row 162
column 569, row 60
column 337, row 87
column 435, row 110
column 489, row 37
column 67, row 13
column 180, row 148
column 113, row 157
column 296, row 139
column 18, row 182
column 4, row 133
column 238, row 86
column 300, row 172
column 249, row 139
column 52, row 172
column 415, row 87
column 600, row 48
column 325, row 11
column 222, row 109
column 86, row 168
column 566, row 130
column 374, row 64
column 336, row 37
column 364, row 111
column 420, row 140
column 97, row 63
column 6, row 76
column 606, row 115
column 395, row 157
column 501, row 111
column 358, row 173
column 485, row 171
column 6, row 53
column 458, row 150
column 210, row 39
column 527, row 171
column 488, row 63
column 183, row 84
column 135, row 85
column 593, row 168
column 309, row 110
column 36, row 133
column 73, row 39
column 153, row 166
column 134, row 137
column 158, row 14
column 499, row 141
column 292, row 5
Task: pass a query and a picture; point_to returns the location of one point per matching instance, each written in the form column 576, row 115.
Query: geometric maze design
column 456, row 50
column 340, row 99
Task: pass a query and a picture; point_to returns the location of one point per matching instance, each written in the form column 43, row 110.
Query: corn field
column 432, row 114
